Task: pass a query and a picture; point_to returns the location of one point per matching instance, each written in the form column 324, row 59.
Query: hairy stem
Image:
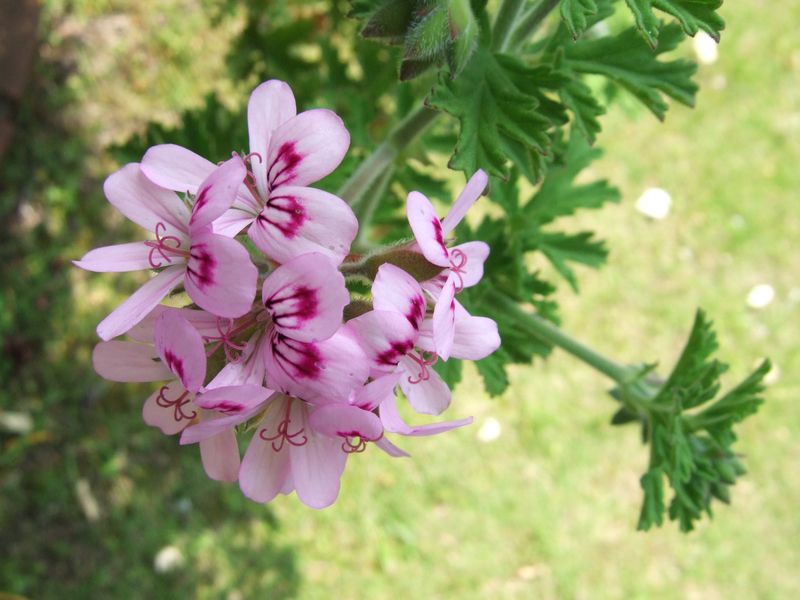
column 528, row 25
column 551, row 334
column 504, row 24
column 366, row 208
column 355, row 188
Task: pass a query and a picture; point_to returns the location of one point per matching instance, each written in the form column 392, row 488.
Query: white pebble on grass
column 168, row 559
column 760, row 296
column 654, row 203
column 490, row 430
column 705, row 48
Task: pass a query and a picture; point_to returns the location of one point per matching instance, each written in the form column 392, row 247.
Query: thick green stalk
column 366, row 208
column 526, row 27
column 504, row 23
column 372, row 168
column 551, row 334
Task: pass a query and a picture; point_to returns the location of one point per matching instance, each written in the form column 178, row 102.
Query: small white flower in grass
column 705, row 48
column 490, row 430
column 168, row 559
column 760, row 296
column 654, row 203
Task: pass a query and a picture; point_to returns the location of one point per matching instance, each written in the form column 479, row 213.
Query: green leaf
column 628, row 62
column 693, row 16
column 693, row 450
column 497, row 118
column 563, row 248
column 450, row 371
column 575, row 14
column 579, row 99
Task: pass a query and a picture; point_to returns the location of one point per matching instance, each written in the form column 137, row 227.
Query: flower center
column 424, row 361
column 168, row 246
column 458, row 261
column 177, row 404
column 282, row 435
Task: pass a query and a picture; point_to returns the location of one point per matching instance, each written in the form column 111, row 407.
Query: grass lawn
column 546, row 510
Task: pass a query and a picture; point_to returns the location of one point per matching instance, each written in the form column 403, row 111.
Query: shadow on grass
column 88, row 494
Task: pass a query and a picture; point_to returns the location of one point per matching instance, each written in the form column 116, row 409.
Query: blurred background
column 539, row 498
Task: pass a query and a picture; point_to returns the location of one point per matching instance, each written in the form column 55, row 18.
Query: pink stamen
column 233, row 351
column 282, row 434
column 457, row 263
column 163, row 247
column 177, row 404
column 424, row 362
column 350, row 446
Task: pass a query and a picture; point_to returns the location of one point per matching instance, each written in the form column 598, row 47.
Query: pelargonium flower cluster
column 265, row 350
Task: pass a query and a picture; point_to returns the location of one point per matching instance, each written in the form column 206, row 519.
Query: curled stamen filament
column 177, row 404
column 163, row 244
column 354, row 443
column 457, row 263
column 424, row 361
column 282, row 434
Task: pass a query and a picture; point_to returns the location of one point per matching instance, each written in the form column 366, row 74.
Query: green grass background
column 548, row 510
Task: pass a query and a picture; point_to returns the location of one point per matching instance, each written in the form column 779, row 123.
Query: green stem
column 530, row 23
column 549, row 333
column 366, row 209
column 504, row 23
column 372, row 168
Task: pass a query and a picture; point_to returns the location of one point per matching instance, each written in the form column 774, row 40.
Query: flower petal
column 467, row 262
column 306, row 148
column 170, row 409
column 248, row 370
column 468, row 197
column 220, row 456
column 145, row 203
column 299, row 220
column 444, row 319
column 394, row 423
column 264, row 470
column 427, row 229
column 217, row 192
column 430, row 396
column 318, row 372
column 206, row 324
column 386, row 337
column 129, row 362
column 343, row 421
column 306, row 297
column 220, row 277
column 143, row 300
column 211, row 427
column 233, row 399
column 181, row 348
column 120, row 258
column 317, row 465
column 390, row 449
column 475, row 337
column 375, row 392
column 176, row 168
column 394, row 289
column 271, row 104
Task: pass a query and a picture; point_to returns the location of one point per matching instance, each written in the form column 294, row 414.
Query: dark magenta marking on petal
column 396, row 351
column 293, row 215
column 201, row 266
column 300, row 303
column 174, row 363
column 296, row 359
column 288, row 159
column 438, row 233
column 227, row 406
column 416, row 311
column 202, row 199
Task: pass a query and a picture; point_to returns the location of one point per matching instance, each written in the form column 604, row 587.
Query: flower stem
column 530, row 23
column 504, row 24
column 355, row 188
column 551, row 334
column 366, row 209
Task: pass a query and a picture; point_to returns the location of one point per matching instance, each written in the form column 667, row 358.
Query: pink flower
column 463, row 263
column 176, row 405
column 288, row 151
column 215, row 270
column 397, row 337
